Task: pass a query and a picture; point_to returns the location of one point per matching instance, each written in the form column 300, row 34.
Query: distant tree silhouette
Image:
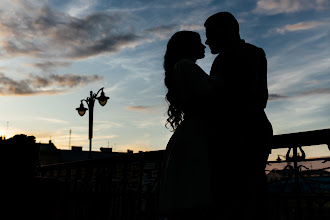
column 22, row 155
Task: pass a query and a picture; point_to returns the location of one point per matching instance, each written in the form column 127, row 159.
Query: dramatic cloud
column 11, row 87
column 50, row 84
column 46, row 66
column 142, row 108
column 289, row 6
column 43, row 32
column 52, row 120
column 275, row 97
column 191, row 27
column 162, row 31
column 298, row 27
column 316, row 91
column 53, row 39
column 165, row 31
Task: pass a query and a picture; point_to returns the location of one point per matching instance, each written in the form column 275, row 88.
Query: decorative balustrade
column 127, row 186
column 296, row 203
column 295, row 142
column 120, row 187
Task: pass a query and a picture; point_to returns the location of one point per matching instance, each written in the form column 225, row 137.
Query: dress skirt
column 185, row 181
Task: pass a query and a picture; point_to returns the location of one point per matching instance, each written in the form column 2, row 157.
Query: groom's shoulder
column 250, row 48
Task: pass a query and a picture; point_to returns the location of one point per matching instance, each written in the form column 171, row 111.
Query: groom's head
column 222, row 30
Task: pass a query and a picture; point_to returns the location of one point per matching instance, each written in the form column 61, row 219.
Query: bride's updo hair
column 178, row 48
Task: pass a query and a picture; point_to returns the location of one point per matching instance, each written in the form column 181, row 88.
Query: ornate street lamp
column 90, row 103
column 81, row 110
column 103, row 99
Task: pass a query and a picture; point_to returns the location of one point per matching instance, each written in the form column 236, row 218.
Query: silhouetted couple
column 214, row 166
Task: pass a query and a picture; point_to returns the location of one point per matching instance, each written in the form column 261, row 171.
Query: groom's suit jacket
column 238, row 120
column 241, row 76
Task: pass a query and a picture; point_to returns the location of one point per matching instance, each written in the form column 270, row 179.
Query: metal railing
column 127, row 186
column 120, row 187
column 295, row 141
column 296, row 203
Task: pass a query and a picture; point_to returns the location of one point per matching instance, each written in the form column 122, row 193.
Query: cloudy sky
column 53, row 53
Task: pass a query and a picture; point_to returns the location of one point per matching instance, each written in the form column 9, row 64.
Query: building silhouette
column 49, row 154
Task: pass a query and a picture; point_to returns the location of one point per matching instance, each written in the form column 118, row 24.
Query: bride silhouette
column 185, row 184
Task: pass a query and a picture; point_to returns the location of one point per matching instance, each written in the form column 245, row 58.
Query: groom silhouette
column 240, row 131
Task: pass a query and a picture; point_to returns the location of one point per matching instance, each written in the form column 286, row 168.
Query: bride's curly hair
column 178, row 48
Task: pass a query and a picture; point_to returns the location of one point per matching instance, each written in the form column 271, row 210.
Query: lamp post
column 90, row 103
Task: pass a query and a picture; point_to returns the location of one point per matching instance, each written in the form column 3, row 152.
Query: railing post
column 296, row 169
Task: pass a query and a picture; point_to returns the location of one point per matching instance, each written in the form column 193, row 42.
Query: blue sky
column 52, row 53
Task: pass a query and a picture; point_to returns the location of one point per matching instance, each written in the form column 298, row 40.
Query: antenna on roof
column 70, row 139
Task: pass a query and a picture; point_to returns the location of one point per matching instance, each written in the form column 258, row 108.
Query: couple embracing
column 214, row 165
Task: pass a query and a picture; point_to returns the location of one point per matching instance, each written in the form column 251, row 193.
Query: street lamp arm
column 86, row 100
column 98, row 92
column 82, row 110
